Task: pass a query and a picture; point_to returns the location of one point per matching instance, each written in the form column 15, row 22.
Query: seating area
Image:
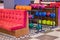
column 12, row 20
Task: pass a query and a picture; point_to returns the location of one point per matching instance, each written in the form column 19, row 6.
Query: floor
column 52, row 35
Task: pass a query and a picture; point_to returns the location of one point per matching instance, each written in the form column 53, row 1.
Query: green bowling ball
column 48, row 22
column 31, row 25
column 38, row 27
column 44, row 21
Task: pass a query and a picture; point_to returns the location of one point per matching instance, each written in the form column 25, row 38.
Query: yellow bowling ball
column 48, row 22
column 40, row 21
column 44, row 21
column 52, row 22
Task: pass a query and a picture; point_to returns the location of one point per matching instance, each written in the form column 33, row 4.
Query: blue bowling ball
column 52, row 15
column 32, row 16
column 38, row 27
column 40, row 13
column 37, row 13
column 43, row 14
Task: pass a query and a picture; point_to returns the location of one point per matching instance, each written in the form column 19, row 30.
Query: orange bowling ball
column 19, row 7
column 28, row 7
column 23, row 8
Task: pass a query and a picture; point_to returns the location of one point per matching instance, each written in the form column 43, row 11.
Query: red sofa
column 12, row 19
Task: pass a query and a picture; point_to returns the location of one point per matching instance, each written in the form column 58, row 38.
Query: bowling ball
column 52, row 15
column 48, row 22
column 53, row 23
column 37, row 13
column 44, row 14
column 38, row 27
column 31, row 25
column 19, row 7
column 28, row 7
column 42, row 6
column 48, row 14
column 40, row 21
column 31, row 5
column 23, row 8
column 40, row 13
column 30, row 16
column 34, row 5
column 44, row 21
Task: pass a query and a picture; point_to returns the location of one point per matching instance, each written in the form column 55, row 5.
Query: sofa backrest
column 14, row 16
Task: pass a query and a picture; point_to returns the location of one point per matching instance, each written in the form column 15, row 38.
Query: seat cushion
column 12, row 26
column 1, row 24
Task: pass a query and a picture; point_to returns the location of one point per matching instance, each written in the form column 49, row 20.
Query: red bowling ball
column 48, row 14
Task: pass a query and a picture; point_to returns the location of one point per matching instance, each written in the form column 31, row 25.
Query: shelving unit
column 35, row 19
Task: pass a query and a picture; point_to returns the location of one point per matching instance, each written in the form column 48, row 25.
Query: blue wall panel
column 10, row 4
column 22, row 2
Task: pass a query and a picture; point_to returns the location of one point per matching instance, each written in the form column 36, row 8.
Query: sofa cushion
column 12, row 26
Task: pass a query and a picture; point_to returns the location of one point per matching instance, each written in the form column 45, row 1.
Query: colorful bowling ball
column 44, row 14
column 28, row 7
column 37, row 13
column 40, row 13
column 35, row 25
column 38, row 27
column 31, row 5
column 44, row 21
column 31, row 25
column 23, row 7
column 31, row 16
column 19, row 7
column 34, row 5
column 40, row 21
column 48, row 14
column 52, row 15
column 42, row 6
column 48, row 22
column 52, row 22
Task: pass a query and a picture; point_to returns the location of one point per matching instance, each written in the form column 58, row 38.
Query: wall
column 59, row 16
column 10, row 4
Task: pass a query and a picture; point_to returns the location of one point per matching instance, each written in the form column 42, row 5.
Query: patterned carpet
column 32, row 36
column 46, row 37
column 42, row 37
